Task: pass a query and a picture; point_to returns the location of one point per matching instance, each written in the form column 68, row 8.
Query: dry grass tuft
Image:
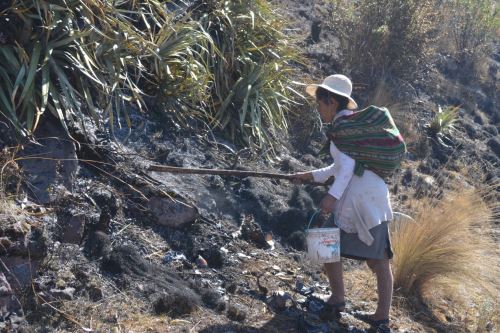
column 450, row 239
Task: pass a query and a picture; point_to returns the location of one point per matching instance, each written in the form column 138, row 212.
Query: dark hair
column 325, row 96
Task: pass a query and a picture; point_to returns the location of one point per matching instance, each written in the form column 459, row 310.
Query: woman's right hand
column 301, row 177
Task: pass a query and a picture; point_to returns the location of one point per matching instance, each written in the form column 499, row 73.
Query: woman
column 360, row 207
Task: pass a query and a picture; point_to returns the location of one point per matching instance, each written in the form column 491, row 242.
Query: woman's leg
column 335, row 276
column 382, row 269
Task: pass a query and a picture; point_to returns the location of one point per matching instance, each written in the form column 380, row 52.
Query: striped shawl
column 371, row 138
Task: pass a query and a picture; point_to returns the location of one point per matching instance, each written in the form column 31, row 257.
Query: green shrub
column 472, row 25
column 65, row 56
column 227, row 63
column 443, row 121
column 252, row 70
column 381, row 38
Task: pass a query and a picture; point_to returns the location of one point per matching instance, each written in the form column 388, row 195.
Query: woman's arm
column 343, row 175
column 319, row 175
column 323, row 174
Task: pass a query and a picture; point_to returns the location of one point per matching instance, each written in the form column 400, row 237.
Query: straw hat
column 338, row 84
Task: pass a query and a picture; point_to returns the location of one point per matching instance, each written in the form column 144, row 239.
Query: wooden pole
column 222, row 172
column 219, row 172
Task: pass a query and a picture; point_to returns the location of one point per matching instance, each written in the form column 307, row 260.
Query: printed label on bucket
column 323, row 245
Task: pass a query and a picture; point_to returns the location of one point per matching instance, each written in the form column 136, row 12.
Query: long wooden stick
column 222, row 172
column 219, row 172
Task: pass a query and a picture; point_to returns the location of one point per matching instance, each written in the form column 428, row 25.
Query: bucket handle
column 312, row 219
column 314, row 216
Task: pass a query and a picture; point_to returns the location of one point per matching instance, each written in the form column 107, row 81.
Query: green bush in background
column 226, row 63
column 384, row 38
column 66, row 56
column 252, row 70
column 472, row 26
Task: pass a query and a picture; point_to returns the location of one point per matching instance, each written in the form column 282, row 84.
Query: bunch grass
column 450, row 239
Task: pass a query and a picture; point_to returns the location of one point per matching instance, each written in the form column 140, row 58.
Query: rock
column 59, row 165
column 494, row 144
column 251, row 231
column 491, row 129
column 5, row 289
column 424, row 186
column 236, row 313
column 73, row 229
column 105, row 198
column 95, row 293
column 66, row 293
column 172, row 213
column 98, row 244
column 280, row 300
column 201, row 262
column 22, row 268
column 174, row 305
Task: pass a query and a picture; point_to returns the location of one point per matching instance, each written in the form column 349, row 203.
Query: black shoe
column 331, row 311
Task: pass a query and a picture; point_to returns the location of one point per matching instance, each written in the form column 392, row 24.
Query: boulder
column 73, row 229
column 172, row 213
column 494, row 144
column 56, row 169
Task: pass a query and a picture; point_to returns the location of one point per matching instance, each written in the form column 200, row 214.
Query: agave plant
column 252, row 70
column 443, row 121
column 67, row 56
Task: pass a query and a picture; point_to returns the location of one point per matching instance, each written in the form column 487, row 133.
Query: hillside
column 93, row 241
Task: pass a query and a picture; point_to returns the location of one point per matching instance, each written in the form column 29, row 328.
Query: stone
column 491, row 129
column 172, row 213
column 98, row 244
column 66, row 293
column 5, row 244
column 22, row 268
column 73, row 229
column 236, row 313
column 5, row 289
column 59, row 165
column 494, row 144
column 95, row 293
column 280, row 300
column 201, row 262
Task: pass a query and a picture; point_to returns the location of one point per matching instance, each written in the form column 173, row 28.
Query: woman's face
column 327, row 111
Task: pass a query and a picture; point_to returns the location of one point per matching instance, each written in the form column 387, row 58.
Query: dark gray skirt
column 352, row 247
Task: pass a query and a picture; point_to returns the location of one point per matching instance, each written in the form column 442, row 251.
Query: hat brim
column 311, row 90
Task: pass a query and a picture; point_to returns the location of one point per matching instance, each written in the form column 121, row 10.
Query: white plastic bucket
column 323, row 244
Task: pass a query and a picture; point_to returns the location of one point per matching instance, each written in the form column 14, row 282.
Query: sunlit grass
column 450, row 239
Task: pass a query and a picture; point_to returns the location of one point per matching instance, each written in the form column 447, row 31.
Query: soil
column 103, row 245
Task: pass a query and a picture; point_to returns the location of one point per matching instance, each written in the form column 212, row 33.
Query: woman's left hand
column 327, row 204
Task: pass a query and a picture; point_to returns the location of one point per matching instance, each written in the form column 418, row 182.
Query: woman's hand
column 301, row 177
column 327, row 204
